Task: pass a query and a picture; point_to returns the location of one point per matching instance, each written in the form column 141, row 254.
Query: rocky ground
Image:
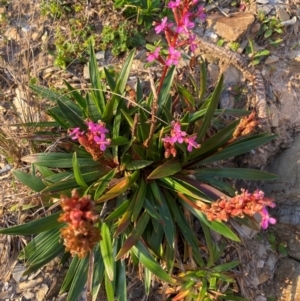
column 25, row 47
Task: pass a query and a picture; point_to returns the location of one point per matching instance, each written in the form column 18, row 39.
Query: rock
column 274, row 115
column 271, row 262
column 260, row 264
column 17, row 272
column 12, row 34
column 271, row 59
column 287, row 279
column 227, row 100
column 266, row 9
column 42, row 292
column 261, row 298
column 86, row 71
column 282, row 14
column 100, row 55
column 233, row 28
column 214, row 72
column 28, row 295
column 29, row 284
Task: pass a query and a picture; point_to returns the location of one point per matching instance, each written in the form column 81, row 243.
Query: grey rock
column 287, row 280
column 100, row 55
column 17, row 272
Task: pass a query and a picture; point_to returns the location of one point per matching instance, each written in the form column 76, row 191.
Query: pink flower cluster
column 178, row 136
column 179, row 33
column 94, row 140
column 244, row 203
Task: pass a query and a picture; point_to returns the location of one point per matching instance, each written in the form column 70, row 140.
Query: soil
column 26, row 49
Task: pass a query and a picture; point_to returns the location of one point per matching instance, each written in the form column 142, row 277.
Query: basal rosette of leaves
column 145, row 200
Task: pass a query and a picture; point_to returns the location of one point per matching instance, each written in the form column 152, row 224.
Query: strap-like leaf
column 121, row 187
column 106, row 251
column 148, row 261
column 168, row 168
column 77, row 173
column 236, row 173
column 34, row 227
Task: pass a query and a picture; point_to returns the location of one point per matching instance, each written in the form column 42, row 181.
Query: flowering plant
column 132, row 177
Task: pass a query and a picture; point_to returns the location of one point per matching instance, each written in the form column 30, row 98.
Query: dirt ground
column 26, row 49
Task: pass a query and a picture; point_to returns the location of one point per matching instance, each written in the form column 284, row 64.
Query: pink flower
column 195, row 2
column 266, row 219
column 102, row 141
column 200, row 14
column 97, row 128
column 258, row 194
column 174, row 56
column 191, row 143
column 192, row 43
column 173, row 4
column 161, row 26
column 154, row 55
column 76, row 133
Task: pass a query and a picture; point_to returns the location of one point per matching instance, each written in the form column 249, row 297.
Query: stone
column 29, row 284
column 18, row 272
column 227, row 100
column 274, row 115
column 261, row 298
column 266, row 9
column 11, row 33
column 214, row 72
column 282, row 14
column 86, row 71
column 287, row 279
column 28, row 295
column 100, row 55
column 233, row 28
column 271, row 59
column 260, row 264
column 271, row 262
column 42, row 292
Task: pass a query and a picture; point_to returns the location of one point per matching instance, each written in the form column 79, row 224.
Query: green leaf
column 77, row 173
column 121, row 187
column 268, row 33
column 78, row 98
column 148, row 261
column 74, row 119
column 49, row 251
column 137, row 164
column 119, row 141
column 226, row 266
column 164, row 93
column 139, row 199
column 34, row 227
column 33, row 182
column 79, row 280
column 177, row 185
column 168, row 168
column 98, row 274
column 236, row 173
column 103, row 183
column 121, row 284
column 203, row 80
column 242, row 147
column 135, row 235
column 70, row 274
column 219, row 227
column 106, row 251
column 98, row 89
column 58, row 160
column 264, row 52
column 210, row 110
column 118, row 212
